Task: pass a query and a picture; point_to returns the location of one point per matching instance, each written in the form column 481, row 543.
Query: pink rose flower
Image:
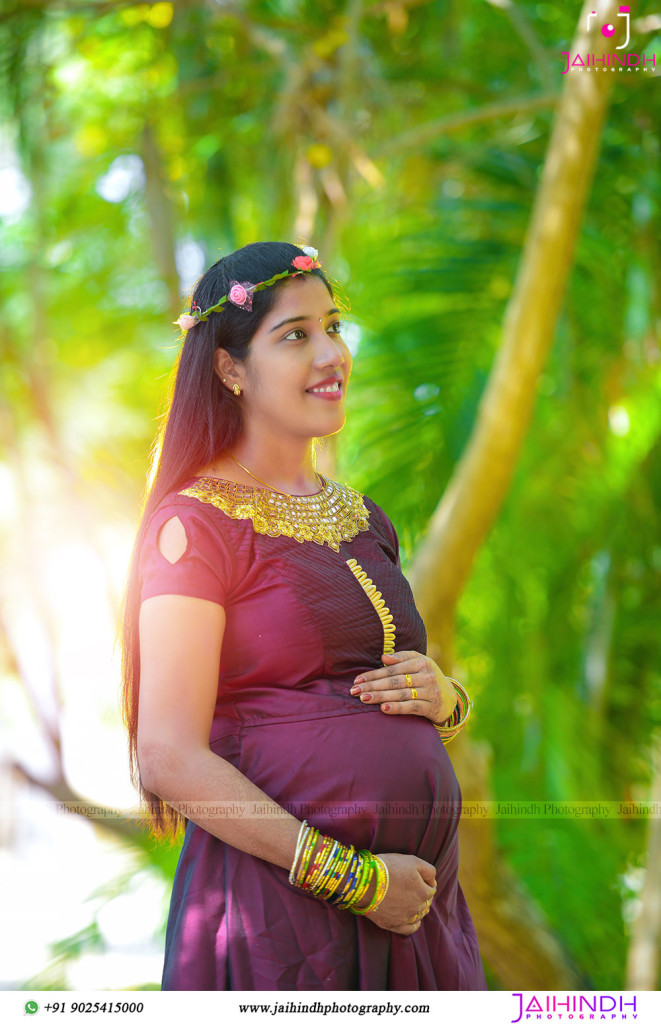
column 186, row 321
column 305, row 263
column 238, row 295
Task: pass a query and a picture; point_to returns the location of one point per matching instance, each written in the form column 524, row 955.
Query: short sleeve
column 204, row 569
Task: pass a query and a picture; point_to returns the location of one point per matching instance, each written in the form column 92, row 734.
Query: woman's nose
column 331, row 351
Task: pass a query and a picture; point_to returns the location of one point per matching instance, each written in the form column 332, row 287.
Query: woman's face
column 294, row 380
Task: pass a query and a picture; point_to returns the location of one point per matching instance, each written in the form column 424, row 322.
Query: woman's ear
column 226, row 368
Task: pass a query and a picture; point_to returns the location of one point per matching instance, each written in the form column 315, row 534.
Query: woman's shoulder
column 185, row 551
column 197, row 513
column 197, row 498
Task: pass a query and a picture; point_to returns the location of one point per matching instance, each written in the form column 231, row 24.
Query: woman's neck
column 288, row 468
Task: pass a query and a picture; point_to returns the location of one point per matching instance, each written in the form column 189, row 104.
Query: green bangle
column 382, row 883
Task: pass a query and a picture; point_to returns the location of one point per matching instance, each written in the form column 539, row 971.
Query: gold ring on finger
column 409, row 681
column 414, row 693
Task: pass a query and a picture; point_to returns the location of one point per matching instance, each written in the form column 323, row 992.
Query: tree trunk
column 513, row 938
column 643, row 958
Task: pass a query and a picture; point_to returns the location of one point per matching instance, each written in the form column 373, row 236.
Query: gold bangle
column 448, row 733
column 381, row 886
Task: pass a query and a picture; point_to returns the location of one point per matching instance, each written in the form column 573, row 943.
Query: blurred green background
column 405, row 139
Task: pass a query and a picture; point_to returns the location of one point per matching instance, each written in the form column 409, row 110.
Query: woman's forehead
column 302, row 296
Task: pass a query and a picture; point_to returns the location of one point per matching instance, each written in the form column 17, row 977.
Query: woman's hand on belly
column 410, row 892
column 408, row 684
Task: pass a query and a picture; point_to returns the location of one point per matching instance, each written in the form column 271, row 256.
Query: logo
column 609, row 30
column 610, row 61
column 598, row 1005
column 31, row 1006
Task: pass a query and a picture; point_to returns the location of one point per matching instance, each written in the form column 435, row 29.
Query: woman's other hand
column 411, row 890
column 408, row 684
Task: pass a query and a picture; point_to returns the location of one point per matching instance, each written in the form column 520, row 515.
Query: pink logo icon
column 609, row 29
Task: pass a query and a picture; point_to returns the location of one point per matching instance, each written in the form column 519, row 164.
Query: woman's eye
column 298, row 334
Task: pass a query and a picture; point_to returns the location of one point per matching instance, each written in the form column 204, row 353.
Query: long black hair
column 202, row 420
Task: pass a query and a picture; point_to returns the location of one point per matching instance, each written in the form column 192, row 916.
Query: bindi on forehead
column 302, row 317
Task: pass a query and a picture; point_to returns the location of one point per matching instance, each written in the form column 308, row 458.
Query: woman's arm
column 180, row 643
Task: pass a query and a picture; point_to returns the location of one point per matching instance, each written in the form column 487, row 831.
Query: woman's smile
column 330, row 389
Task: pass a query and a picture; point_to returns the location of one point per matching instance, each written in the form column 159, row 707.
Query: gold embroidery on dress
column 335, row 514
column 382, row 609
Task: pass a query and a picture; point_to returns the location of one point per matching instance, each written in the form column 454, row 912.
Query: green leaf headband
column 241, row 292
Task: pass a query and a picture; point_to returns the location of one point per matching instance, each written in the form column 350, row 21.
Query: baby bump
column 368, row 779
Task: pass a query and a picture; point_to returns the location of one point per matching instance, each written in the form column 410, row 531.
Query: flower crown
column 241, row 292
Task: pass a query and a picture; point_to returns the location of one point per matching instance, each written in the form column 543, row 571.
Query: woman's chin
column 327, row 429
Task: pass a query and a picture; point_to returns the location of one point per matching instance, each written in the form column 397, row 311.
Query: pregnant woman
column 276, row 689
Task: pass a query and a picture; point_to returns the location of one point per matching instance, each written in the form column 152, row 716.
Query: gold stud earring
column 236, row 389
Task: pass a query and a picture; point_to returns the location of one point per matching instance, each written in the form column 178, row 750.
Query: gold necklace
column 270, row 486
column 335, row 514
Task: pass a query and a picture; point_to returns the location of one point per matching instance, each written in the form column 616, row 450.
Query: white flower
column 310, row 251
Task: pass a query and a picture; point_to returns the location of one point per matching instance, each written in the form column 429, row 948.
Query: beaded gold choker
column 336, row 513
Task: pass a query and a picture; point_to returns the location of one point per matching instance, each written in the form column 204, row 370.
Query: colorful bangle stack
column 328, row 870
column 448, row 729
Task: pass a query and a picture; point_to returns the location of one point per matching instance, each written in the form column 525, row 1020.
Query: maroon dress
column 300, row 626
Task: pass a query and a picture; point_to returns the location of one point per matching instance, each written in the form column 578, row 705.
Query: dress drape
column 300, row 626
